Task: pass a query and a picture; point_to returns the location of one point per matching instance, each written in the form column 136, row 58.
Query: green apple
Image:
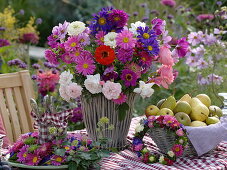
column 183, row 118
column 212, row 120
column 182, row 106
column 165, row 111
column 215, row 110
column 204, row 99
column 169, row 103
column 160, row 103
column 197, row 123
column 151, row 110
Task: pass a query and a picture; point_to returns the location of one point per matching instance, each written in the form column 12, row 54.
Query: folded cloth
column 206, row 138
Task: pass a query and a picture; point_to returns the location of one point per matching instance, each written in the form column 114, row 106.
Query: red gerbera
column 104, row 55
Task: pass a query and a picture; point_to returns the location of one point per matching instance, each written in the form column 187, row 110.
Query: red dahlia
column 104, row 55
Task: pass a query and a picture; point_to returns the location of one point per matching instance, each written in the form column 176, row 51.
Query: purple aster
column 49, row 65
column 36, row 66
column 85, row 65
column 202, row 81
column 51, row 57
column 124, row 55
column 52, row 41
column 182, row 47
column 129, row 77
column 144, row 34
column 215, row 78
column 145, row 59
column 57, row 160
column 135, row 68
column 152, row 47
column 158, row 26
column 22, row 65
column 23, row 154
column 109, row 74
column 119, row 18
column 201, row 64
column 60, row 31
column 77, row 115
column 84, row 39
column 72, row 43
column 4, row 42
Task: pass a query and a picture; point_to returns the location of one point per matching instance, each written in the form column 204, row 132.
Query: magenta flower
column 72, row 43
column 4, row 42
column 57, row 160
column 168, row 120
column 100, row 38
column 150, row 124
column 84, row 39
column 178, row 149
column 85, row 65
column 151, row 118
column 119, row 18
column 33, row 159
column 169, row 3
column 180, row 132
column 17, row 146
column 60, row 31
column 135, row 68
column 23, row 154
column 145, row 58
column 121, row 99
column 29, row 38
column 125, row 40
column 51, row 57
column 129, row 77
column 35, row 134
column 202, row 17
column 44, row 149
column 124, row 55
column 182, row 47
column 138, row 147
column 158, row 26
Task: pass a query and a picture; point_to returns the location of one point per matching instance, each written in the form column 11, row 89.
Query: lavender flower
column 215, row 79
column 2, row 28
column 21, row 12
column 135, row 14
column 36, row 66
column 38, row 21
column 201, row 80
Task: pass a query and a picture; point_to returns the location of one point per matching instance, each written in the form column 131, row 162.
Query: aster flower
column 75, row 28
column 110, row 39
column 100, row 38
column 145, row 58
column 109, row 74
column 119, row 18
column 84, row 39
column 59, row 32
column 135, row 68
column 51, row 57
column 57, row 160
column 33, row 159
column 44, row 149
column 129, row 77
column 125, row 40
column 134, row 26
column 104, row 55
column 158, row 26
column 144, row 34
column 72, row 43
column 178, row 149
column 52, row 41
column 124, row 55
column 151, row 46
column 23, row 154
column 85, row 65
column 121, row 99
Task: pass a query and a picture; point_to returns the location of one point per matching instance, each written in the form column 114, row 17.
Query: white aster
column 65, row 78
column 92, row 83
column 144, row 89
column 135, row 25
column 139, row 128
column 110, row 39
column 171, row 153
column 76, row 28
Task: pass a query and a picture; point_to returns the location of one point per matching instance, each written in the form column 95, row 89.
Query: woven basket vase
column 97, row 107
column 165, row 140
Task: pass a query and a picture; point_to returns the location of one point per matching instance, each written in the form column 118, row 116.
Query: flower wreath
column 168, row 122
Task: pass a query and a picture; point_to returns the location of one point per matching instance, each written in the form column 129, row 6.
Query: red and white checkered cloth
column 127, row 159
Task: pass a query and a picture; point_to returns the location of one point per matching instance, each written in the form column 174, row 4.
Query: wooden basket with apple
column 194, row 112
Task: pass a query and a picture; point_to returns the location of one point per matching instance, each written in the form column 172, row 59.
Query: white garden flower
column 135, row 25
column 92, row 83
column 171, row 153
column 74, row 90
column 63, row 94
column 111, row 90
column 65, row 78
column 161, row 159
column 76, row 28
column 144, row 89
column 139, row 128
column 181, row 141
column 110, row 39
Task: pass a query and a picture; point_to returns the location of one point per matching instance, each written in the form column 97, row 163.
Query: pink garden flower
column 135, row 68
column 125, row 40
column 178, row 149
column 84, row 39
column 168, row 120
column 23, row 154
column 138, row 147
column 72, row 43
column 202, row 17
column 182, row 47
column 158, row 26
column 194, row 38
column 85, row 65
column 121, row 99
column 166, row 76
column 151, row 118
column 44, row 149
column 111, row 90
column 100, row 38
column 145, row 58
column 180, row 132
column 51, row 57
column 74, row 90
column 170, row 3
column 165, row 56
column 57, row 160
column 33, row 159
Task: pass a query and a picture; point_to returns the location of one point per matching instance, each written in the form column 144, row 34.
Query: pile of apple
column 196, row 111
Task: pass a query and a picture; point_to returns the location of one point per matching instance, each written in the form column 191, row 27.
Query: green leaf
column 122, row 111
column 73, row 165
column 60, row 152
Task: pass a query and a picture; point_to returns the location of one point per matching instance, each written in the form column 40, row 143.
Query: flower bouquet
column 108, row 62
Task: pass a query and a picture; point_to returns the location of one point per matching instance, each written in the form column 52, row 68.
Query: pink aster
column 51, row 57
column 17, row 146
column 44, row 149
column 68, row 59
column 84, row 39
column 76, row 53
column 72, row 43
column 138, row 147
column 118, row 17
column 23, row 154
column 36, row 134
column 100, row 38
column 85, row 65
column 33, row 159
column 168, row 120
column 125, row 40
column 145, row 58
column 180, row 132
column 124, row 55
column 178, row 149
column 57, row 160
column 121, row 99
column 134, row 67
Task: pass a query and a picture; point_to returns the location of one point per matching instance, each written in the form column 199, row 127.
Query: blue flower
column 145, row 122
column 145, row 34
column 137, row 141
column 152, row 47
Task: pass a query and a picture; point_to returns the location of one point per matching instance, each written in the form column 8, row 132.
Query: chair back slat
column 21, row 110
column 13, row 113
column 16, row 89
column 5, row 116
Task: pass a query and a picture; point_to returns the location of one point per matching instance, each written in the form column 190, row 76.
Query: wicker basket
column 165, row 140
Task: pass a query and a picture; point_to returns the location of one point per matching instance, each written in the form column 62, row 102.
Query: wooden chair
column 16, row 89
